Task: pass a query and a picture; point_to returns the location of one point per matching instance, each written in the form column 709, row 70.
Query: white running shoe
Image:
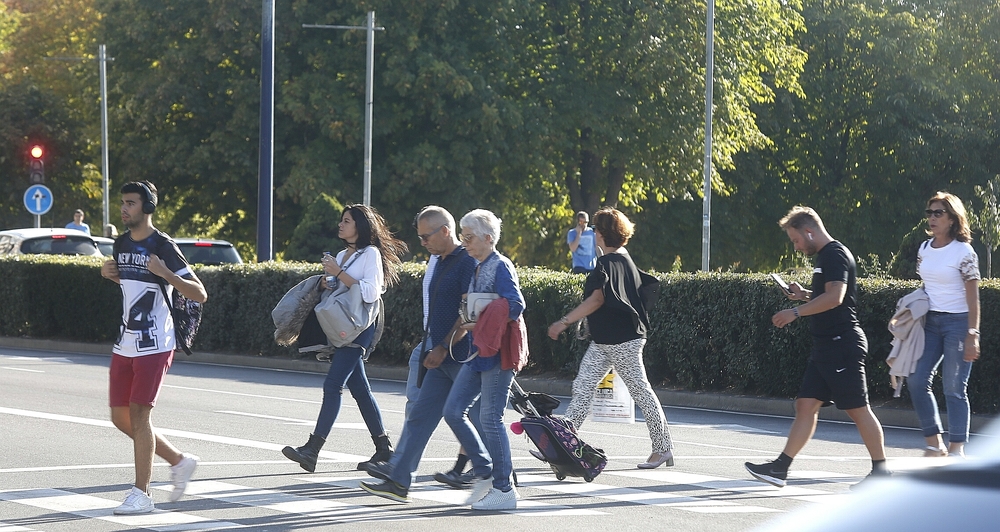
column 180, row 474
column 497, row 500
column 137, row 502
column 480, row 487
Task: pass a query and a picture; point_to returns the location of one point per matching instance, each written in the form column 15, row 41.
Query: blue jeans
column 347, row 369
column 491, row 453
column 423, row 416
column 944, row 345
column 411, row 396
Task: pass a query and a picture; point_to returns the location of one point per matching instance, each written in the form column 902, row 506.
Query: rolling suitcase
column 555, row 437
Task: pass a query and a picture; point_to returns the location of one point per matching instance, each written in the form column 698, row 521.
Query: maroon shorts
column 137, row 379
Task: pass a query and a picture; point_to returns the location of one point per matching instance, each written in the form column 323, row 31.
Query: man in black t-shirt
column 835, row 373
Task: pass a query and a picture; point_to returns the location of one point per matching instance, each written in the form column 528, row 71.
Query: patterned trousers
column 626, row 358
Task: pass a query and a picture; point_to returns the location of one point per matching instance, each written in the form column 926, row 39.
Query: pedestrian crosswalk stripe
column 441, row 494
column 638, row 496
column 4, row 527
column 98, row 508
column 280, row 501
column 754, row 487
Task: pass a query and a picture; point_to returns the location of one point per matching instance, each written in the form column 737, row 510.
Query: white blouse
column 945, row 271
column 367, row 269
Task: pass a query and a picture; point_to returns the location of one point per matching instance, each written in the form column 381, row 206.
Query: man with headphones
column 144, row 258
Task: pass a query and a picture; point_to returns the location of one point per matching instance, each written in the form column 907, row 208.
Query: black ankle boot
column 383, row 452
column 307, row 454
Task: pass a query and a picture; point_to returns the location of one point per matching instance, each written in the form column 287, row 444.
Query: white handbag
column 474, row 303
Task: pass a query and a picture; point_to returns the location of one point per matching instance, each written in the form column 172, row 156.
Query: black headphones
column 149, row 203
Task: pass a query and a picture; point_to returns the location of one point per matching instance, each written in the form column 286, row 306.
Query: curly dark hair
column 372, row 231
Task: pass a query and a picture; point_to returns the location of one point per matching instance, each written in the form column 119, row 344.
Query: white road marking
column 22, row 369
column 279, row 501
column 441, row 494
column 294, row 421
column 98, row 508
column 638, row 496
column 339, row 457
column 4, row 527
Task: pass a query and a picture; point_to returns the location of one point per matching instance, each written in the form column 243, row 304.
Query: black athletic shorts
column 836, row 370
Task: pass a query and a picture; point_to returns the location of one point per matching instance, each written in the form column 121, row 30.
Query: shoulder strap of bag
column 173, row 315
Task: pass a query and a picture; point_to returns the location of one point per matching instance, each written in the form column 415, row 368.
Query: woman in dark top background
column 618, row 324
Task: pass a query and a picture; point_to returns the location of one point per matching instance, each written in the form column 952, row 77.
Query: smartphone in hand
column 781, row 284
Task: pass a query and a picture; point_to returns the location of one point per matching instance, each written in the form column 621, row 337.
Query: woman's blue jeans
column 944, row 345
column 348, row 369
column 492, row 451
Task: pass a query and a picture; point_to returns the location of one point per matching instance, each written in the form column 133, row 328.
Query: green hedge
column 710, row 332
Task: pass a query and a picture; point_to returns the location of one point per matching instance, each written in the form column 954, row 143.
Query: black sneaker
column 379, row 470
column 768, row 473
column 387, row 489
column 455, row 479
column 875, row 474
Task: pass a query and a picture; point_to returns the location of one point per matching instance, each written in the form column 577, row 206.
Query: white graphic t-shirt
column 147, row 327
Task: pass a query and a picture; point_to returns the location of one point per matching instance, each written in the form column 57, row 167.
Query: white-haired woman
column 488, row 376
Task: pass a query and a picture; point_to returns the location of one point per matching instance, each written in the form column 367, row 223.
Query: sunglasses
column 424, row 238
column 935, row 213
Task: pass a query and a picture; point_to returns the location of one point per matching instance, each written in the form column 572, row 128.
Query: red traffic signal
column 36, row 167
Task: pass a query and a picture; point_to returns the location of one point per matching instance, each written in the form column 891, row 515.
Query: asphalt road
column 65, row 467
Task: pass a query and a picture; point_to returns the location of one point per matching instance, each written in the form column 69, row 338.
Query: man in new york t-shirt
column 143, row 259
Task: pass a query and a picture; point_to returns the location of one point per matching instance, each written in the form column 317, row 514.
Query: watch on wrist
column 974, row 332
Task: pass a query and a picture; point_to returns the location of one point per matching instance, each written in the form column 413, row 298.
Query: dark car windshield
column 209, row 254
column 59, row 245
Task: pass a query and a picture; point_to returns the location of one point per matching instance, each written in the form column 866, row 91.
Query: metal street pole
column 102, row 59
column 265, row 182
column 369, row 98
column 706, row 228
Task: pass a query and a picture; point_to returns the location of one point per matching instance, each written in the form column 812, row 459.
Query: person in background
column 77, row 222
column 618, row 324
column 145, row 259
column 371, row 259
column 949, row 268
column 835, row 373
column 582, row 244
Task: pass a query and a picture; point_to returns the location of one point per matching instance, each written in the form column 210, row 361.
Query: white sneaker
column 480, row 487
column 497, row 500
column 137, row 502
column 180, row 474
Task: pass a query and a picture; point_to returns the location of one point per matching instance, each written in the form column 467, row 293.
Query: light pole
column 102, row 58
column 706, row 222
column 369, row 81
column 265, row 169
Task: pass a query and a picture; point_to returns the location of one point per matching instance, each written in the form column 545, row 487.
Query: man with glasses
column 449, row 271
column 835, row 373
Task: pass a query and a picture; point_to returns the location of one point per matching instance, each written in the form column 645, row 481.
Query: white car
column 208, row 252
column 106, row 245
column 47, row 241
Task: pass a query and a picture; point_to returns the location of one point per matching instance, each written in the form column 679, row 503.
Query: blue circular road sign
column 38, row 199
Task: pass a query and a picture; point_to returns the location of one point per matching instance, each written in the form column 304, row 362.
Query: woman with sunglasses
column 949, row 268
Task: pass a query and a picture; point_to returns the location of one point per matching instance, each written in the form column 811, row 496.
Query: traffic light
column 36, row 174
